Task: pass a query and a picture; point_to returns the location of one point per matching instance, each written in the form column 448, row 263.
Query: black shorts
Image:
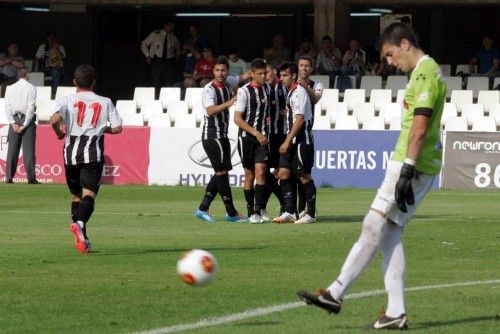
column 299, row 159
column 219, row 153
column 86, row 176
column 275, row 142
column 252, row 152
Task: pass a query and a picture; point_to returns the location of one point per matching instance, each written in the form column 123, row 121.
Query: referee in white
column 20, row 110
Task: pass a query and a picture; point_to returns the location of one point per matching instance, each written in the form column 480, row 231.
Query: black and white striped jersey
column 86, row 116
column 277, row 110
column 299, row 103
column 214, row 94
column 253, row 102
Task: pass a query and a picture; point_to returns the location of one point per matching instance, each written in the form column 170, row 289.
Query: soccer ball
column 197, row 267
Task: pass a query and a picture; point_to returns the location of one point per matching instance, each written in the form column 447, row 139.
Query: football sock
column 249, row 198
column 287, row 189
column 362, row 252
column 260, row 190
column 310, row 194
column 393, row 267
column 74, row 211
column 225, row 193
column 301, row 196
column 271, row 184
column 210, row 193
column 84, row 212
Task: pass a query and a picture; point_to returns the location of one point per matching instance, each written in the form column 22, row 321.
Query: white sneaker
column 263, row 216
column 285, row 218
column 306, row 219
column 302, row 214
column 255, row 219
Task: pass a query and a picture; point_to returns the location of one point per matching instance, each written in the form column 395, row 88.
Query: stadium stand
column 485, row 123
column 352, row 96
column 168, row 94
column 461, row 98
column 159, row 121
column 64, row 91
column 373, row 123
column 151, row 107
column 455, row 124
column 346, row 122
column 363, row 110
column 396, row 83
column 330, row 96
column 142, row 94
column 390, row 110
column 379, row 97
column 336, row 110
column 37, row 78
column 324, row 79
column 472, row 112
column 488, row 98
column 452, row 83
column 132, row 120
column 475, row 84
column 395, row 123
column 126, row 106
column 370, row 82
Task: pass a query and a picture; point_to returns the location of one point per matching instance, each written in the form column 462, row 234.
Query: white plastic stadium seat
column 126, row 107
column 64, row 91
column 395, row 123
column 369, row 82
column 169, row 94
column 373, row 123
column 362, row 111
column 486, row 124
column 193, row 96
column 159, row 121
column 379, row 97
column 463, row 68
column 43, row 93
column 353, row 81
column 150, row 108
column 132, row 120
column 28, row 63
column 400, row 96
column 324, row 79
column 142, row 94
column 449, row 110
column 472, row 112
column 187, row 121
column 390, row 110
column 352, row 96
column 495, row 113
column 336, row 110
column 396, row 83
column 322, row 123
column 455, row 124
column 37, row 78
column 346, row 123
column 452, row 83
column 496, row 83
column 461, row 98
column 45, row 109
column 329, row 96
column 199, row 112
column 176, row 108
column 475, row 84
column 445, row 69
column 488, row 98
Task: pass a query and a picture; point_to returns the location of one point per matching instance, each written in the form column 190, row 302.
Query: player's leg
column 246, row 151
column 301, row 196
column 303, row 163
column 72, row 174
column 214, row 153
column 260, row 189
column 14, row 145
column 288, row 187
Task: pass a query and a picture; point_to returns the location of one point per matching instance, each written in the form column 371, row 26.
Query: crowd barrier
column 343, row 158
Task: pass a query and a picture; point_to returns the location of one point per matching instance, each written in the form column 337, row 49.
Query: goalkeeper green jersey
column 426, row 89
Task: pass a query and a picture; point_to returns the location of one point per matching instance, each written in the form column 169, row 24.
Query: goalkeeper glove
column 404, row 190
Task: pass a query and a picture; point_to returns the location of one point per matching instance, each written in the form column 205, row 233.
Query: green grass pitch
column 129, row 283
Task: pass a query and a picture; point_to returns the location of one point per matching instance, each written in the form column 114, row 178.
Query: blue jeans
column 56, row 74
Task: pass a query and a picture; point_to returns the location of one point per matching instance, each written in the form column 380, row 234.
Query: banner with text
column 472, row 160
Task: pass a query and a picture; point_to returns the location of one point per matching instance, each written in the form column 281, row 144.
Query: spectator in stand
column 49, row 59
column 194, row 37
column 204, row 68
column 191, row 60
column 10, row 63
column 329, row 60
column 237, row 66
column 278, row 52
column 354, row 61
column 305, row 49
column 488, row 59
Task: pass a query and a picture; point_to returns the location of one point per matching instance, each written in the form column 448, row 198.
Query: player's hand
column 231, row 102
column 148, row 60
column 261, row 138
column 284, row 147
column 20, row 129
column 15, row 127
column 60, row 135
column 404, row 191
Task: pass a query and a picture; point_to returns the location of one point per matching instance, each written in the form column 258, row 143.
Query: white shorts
column 385, row 199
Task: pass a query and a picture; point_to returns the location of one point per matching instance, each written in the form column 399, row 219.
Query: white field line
column 261, row 311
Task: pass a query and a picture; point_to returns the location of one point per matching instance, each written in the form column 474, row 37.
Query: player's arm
column 241, row 102
column 55, row 122
column 297, row 105
column 216, row 109
column 115, row 122
column 145, row 46
column 494, row 67
column 313, row 96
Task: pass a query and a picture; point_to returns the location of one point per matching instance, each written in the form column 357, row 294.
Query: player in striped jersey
column 217, row 97
column 85, row 116
column 297, row 151
column 277, row 134
column 251, row 116
column 315, row 91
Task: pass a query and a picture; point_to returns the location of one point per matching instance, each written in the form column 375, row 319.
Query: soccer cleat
column 302, row 214
column 239, row 218
column 285, row 218
column 321, row 299
column 306, row 219
column 204, row 215
column 81, row 244
column 255, row 219
column 385, row 322
column 263, row 216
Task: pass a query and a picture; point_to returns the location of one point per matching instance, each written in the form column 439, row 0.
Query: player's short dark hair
column 222, row 60
column 291, row 67
column 84, row 75
column 306, row 57
column 22, row 72
column 258, row 64
column 395, row 33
